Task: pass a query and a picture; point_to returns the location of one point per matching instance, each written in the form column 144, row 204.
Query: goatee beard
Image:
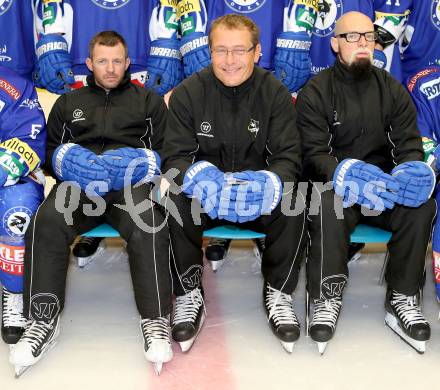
column 361, row 68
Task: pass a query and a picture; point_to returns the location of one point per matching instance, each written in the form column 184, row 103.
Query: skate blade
column 186, row 345
column 355, row 257
column 157, row 367
column 321, row 347
column 216, row 265
column 20, row 370
column 287, row 346
column 393, row 324
column 83, row 261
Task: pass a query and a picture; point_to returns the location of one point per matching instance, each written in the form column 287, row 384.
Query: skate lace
column 187, row 306
column 280, row 307
column 326, row 312
column 156, row 329
column 13, row 310
column 407, row 309
column 36, row 334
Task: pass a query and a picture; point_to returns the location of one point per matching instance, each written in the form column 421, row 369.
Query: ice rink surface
column 100, row 344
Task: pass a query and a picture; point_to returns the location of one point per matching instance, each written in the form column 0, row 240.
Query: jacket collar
column 237, row 91
column 343, row 73
column 123, row 84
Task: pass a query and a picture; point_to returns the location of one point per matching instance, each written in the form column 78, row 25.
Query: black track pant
column 284, row 244
column 329, row 238
column 49, row 237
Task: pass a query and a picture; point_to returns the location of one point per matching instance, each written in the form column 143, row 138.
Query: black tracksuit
column 127, row 116
column 373, row 120
column 248, row 127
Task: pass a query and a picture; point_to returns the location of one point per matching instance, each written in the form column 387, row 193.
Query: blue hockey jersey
column 17, row 47
column 424, row 88
column 421, row 40
column 22, row 124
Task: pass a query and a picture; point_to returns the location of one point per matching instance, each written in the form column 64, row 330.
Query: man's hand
column 72, row 162
column 130, row 165
column 195, row 51
column 416, row 180
column 164, row 66
column 292, row 59
column 359, row 182
column 54, row 67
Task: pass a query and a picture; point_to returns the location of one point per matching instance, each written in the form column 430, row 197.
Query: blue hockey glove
column 204, row 181
column 292, row 59
column 123, row 169
column 3, row 176
column 417, row 182
column 164, row 66
column 379, row 59
column 195, row 51
column 54, row 68
column 72, row 162
column 365, row 184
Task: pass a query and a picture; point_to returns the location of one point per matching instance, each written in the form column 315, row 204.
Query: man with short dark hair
column 103, row 140
column 358, row 127
column 231, row 134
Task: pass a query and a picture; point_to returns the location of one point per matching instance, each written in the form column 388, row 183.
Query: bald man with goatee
column 359, row 133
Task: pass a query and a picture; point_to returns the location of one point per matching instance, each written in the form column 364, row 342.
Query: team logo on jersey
column 435, row 13
column 4, row 5
column 16, row 221
column 110, row 4
column 245, row 6
column 333, row 286
column 254, row 127
column 329, row 11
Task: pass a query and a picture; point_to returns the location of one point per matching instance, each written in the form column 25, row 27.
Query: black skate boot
column 217, row 251
column 404, row 316
column 157, row 343
column 13, row 321
column 281, row 316
column 188, row 318
column 325, row 316
column 86, row 249
column 354, row 251
column 38, row 338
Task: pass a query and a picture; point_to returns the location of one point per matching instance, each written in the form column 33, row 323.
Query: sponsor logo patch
column 11, row 259
column 9, row 89
column 44, row 306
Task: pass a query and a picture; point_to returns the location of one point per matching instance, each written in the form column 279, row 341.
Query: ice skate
column 188, row 318
column 88, row 249
column 37, row 340
column 281, row 316
column 216, row 252
column 157, row 344
column 13, row 321
column 323, row 324
column 404, row 316
column 354, row 251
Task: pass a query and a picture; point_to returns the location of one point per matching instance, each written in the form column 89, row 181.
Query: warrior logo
column 110, row 4
column 328, row 12
column 4, row 5
column 245, row 6
column 205, row 127
column 16, row 221
column 44, row 307
column 435, row 13
column 332, row 286
column 254, row 127
column 192, row 277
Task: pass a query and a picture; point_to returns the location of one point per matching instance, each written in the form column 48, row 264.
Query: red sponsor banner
column 9, row 89
column 413, row 81
column 11, row 259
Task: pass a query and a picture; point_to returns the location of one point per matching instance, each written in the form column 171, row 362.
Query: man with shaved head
column 359, row 132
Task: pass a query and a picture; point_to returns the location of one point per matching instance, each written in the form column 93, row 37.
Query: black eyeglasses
column 370, row 36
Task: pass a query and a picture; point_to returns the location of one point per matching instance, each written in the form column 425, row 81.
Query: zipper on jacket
column 234, row 129
column 105, row 116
